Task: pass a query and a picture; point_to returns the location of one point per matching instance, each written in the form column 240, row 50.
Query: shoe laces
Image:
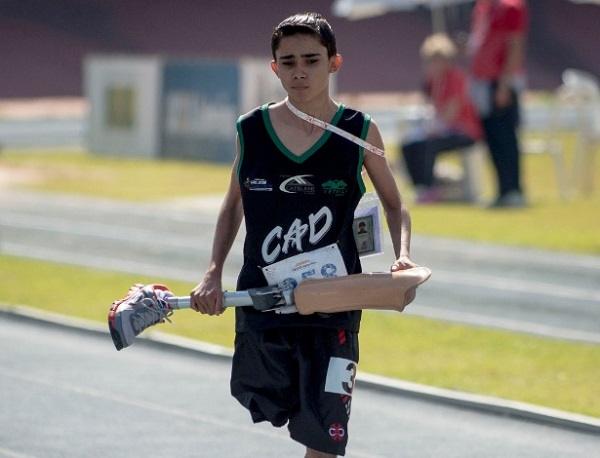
column 152, row 311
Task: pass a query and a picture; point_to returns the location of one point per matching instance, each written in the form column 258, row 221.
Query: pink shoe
column 430, row 196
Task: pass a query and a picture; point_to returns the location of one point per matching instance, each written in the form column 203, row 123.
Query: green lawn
column 552, row 373
column 137, row 180
column 557, row 374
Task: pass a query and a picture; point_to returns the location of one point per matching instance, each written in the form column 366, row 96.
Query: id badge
column 326, row 262
column 367, row 227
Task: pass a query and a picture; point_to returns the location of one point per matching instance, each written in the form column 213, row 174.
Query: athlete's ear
column 274, row 68
column 335, row 62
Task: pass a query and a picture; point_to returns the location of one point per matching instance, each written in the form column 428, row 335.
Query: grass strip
column 557, row 374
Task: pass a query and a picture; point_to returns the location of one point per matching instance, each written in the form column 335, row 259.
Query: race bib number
column 341, row 375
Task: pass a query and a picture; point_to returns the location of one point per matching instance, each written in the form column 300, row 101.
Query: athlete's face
column 302, row 65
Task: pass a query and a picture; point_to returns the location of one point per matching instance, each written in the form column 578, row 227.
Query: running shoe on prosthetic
column 144, row 306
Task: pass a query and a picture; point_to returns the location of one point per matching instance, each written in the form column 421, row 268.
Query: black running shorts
column 300, row 376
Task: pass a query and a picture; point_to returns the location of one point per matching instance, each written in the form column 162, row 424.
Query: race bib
column 326, row 262
column 341, row 375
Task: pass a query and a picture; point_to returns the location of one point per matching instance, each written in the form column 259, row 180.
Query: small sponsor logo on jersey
column 258, row 184
column 298, row 184
column 335, row 187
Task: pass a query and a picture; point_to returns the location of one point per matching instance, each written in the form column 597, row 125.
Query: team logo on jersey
column 298, row 184
column 258, row 184
column 335, row 187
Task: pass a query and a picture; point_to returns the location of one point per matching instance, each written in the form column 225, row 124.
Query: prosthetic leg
column 148, row 305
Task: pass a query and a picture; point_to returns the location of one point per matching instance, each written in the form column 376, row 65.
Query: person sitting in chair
column 454, row 125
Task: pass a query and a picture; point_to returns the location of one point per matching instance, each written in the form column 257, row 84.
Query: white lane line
column 13, row 203
column 104, row 231
column 198, row 210
column 4, row 452
column 107, row 263
column 516, row 285
column 111, row 232
column 153, row 406
column 502, row 323
column 515, row 255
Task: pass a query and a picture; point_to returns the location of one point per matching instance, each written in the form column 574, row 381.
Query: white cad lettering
column 269, row 257
column 314, row 219
column 295, row 234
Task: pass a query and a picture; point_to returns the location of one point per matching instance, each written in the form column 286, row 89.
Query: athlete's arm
column 396, row 212
column 207, row 296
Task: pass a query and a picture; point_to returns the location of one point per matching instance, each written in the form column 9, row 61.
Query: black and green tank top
column 295, row 204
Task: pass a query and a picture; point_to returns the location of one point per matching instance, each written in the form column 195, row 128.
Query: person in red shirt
column 497, row 50
column 455, row 123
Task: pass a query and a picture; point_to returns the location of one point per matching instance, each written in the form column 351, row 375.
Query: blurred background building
column 44, row 43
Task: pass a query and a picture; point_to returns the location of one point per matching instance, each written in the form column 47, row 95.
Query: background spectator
column 497, row 50
column 455, row 124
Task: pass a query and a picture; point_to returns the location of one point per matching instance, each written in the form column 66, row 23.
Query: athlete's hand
column 402, row 263
column 207, row 296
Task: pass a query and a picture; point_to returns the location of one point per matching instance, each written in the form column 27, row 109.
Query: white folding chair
column 578, row 95
column 583, row 91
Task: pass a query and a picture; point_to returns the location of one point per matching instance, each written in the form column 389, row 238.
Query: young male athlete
column 297, row 187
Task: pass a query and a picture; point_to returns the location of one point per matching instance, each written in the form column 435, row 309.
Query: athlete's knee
column 312, row 453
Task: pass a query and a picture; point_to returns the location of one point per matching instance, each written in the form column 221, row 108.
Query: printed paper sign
column 326, row 262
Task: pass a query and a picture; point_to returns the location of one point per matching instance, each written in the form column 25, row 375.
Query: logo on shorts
column 337, row 432
column 347, row 400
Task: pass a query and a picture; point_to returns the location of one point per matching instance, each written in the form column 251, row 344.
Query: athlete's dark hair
column 307, row 23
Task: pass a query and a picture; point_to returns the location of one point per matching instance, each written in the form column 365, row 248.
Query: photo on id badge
column 364, row 234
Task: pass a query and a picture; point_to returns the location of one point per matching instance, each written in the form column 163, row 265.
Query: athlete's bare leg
column 311, row 453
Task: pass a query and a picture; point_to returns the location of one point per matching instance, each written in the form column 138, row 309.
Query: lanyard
column 336, row 130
